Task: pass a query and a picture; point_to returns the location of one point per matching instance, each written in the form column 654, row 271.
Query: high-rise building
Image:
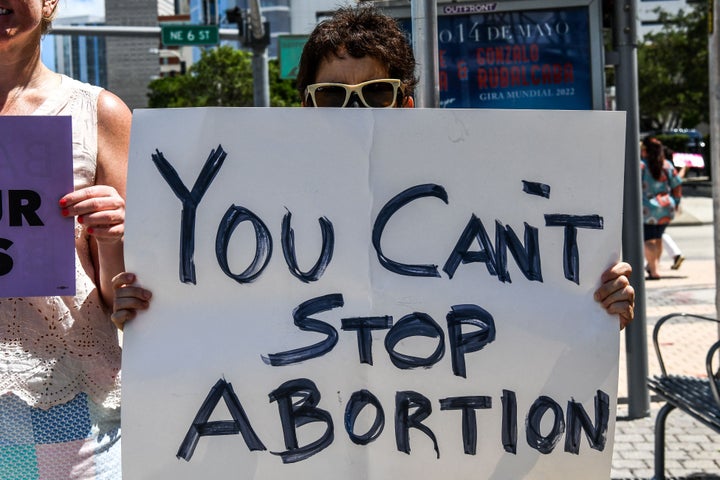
column 131, row 66
column 305, row 13
column 277, row 14
column 80, row 56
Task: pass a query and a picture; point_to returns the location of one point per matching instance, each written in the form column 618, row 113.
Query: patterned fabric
column 78, row 440
column 52, row 348
column 60, row 356
column 661, row 197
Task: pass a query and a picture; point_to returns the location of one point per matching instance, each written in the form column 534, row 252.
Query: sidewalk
column 694, row 210
column 692, row 449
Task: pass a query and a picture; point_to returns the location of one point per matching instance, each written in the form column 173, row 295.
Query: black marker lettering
column 358, row 401
column 474, row 230
column 307, row 324
column 297, row 414
column 535, row 438
column 414, row 324
column 233, row 217
column 509, row 421
column 527, row 257
column 288, row 244
column 201, row 427
column 468, row 405
column 395, row 204
column 364, row 327
column 460, row 343
column 571, row 255
column 404, row 421
column 577, row 419
column 190, row 201
column 536, row 188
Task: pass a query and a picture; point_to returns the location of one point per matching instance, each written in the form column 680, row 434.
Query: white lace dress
column 60, row 356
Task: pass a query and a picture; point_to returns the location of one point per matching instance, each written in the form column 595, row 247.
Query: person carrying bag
column 662, row 192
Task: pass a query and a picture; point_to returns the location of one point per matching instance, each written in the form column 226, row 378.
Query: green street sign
column 173, row 35
column 290, row 49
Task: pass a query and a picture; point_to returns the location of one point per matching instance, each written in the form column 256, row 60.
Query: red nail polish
column 80, row 220
column 65, row 212
column 63, row 202
column 90, row 230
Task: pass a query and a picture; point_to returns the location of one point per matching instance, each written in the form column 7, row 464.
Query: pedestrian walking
column 662, row 191
column 672, row 248
column 673, row 251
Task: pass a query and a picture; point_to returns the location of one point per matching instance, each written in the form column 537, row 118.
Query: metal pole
column 107, row 31
column 625, row 39
column 261, row 78
column 714, row 94
column 425, row 47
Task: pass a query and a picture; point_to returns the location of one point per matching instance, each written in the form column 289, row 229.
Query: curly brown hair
column 361, row 31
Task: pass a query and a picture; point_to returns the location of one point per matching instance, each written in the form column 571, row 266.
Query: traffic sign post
column 179, row 35
column 290, row 49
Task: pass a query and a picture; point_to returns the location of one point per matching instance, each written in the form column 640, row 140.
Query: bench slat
column 689, row 394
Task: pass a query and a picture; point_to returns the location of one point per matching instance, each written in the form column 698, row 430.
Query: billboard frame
column 401, row 10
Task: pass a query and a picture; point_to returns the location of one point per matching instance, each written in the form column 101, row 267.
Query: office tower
column 130, row 65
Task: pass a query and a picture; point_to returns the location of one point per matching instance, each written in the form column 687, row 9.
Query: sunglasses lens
column 379, row 94
column 329, row 96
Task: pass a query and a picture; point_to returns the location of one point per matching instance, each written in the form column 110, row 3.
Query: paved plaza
column 692, row 449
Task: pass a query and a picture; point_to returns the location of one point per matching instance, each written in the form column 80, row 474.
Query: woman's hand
column 100, row 209
column 616, row 294
column 129, row 298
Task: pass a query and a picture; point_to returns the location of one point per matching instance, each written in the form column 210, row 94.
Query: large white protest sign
column 371, row 294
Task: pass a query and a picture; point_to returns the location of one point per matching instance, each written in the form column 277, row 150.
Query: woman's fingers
column 129, row 298
column 616, row 294
column 99, row 208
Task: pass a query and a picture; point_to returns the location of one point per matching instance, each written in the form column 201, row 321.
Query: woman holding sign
column 361, row 58
column 60, row 356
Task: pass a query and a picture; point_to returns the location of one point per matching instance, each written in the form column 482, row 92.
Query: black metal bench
column 698, row 397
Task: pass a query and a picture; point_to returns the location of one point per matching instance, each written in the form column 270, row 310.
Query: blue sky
column 72, row 8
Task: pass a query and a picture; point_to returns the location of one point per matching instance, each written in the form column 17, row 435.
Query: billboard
column 519, row 55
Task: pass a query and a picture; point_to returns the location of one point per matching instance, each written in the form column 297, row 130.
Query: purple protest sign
column 36, row 242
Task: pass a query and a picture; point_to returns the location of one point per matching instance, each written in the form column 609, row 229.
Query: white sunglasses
column 380, row 93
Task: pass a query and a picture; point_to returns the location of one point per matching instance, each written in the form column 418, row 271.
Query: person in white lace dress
column 60, row 356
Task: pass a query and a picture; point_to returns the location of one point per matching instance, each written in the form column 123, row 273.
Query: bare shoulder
column 112, row 112
column 114, row 119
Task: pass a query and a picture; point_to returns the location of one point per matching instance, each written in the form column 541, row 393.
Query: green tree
column 673, row 71
column 222, row 77
column 282, row 92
